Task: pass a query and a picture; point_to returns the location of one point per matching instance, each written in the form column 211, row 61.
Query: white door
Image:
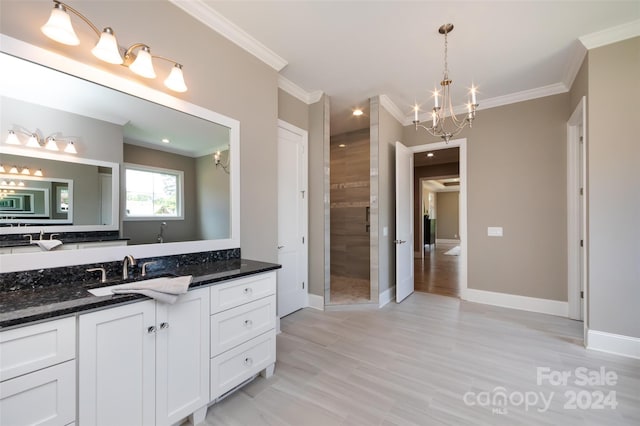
column 116, row 366
column 182, row 356
column 404, row 222
column 292, row 218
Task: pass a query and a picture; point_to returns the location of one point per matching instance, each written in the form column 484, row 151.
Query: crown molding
column 298, row 92
column 575, row 62
column 393, row 109
column 214, row 20
column 611, row 35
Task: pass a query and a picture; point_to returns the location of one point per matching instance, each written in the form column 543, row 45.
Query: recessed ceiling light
column 165, row 140
column 430, row 154
column 357, row 112
column 341, row 145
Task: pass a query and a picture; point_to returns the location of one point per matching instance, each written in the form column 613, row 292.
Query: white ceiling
column 353, row 50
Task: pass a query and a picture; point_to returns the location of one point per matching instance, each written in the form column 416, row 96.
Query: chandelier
column 444, row 122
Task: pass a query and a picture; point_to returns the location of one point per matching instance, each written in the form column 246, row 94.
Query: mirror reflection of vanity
column 116, row 134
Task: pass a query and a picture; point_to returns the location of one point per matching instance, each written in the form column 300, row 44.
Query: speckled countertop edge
column 73, row 298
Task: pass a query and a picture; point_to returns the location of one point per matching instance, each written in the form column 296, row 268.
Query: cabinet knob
column 151, row 329
column 248, row 291
column 164, row 325
column 248, row 361
column 248, row 323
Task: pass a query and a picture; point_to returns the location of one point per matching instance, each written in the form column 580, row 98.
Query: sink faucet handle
column 53, row 235
column 30, row 238
column 144, row 267
column 103, row 273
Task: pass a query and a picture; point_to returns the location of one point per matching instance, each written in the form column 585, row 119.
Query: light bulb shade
column 51, row 145
column 2, row 170
column 59, row 27
column 70, row 148
column 21, row 183
column 12, row 138
column 33, row 142
column 25, row 171
column 38, row 173
column 142, row 64
column 14, row 170
column 107, row 48
column 175, row 81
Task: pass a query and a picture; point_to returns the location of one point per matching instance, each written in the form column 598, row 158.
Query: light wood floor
column 413, row 363
column 437, row 272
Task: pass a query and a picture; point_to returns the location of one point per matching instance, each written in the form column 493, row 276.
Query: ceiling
column 441, row 156
column 353, row 50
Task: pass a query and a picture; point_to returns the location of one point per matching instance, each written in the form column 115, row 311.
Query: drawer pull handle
column 151, row 329
column 248, row 361
column 164, row 325
column 248, row 291
column 248, row 323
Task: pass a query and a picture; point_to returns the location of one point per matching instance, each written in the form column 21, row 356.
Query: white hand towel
column 165, row 290
column 47, row 244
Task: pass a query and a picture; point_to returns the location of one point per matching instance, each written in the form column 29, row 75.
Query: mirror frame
column 42, row 57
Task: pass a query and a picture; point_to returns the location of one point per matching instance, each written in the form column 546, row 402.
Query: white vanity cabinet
column 243, row 339
column 38, row 374
column 145, row 363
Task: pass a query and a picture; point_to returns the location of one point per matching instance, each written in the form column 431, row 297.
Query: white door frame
column 304, row 220
column 462, row 144
column 577, row 278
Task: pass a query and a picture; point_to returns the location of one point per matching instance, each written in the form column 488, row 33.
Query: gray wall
column 293, row 110
column 517, row 180
column 390, row 131
column 146, row 231
column 447, row 208
column 614, row 188
column 212, row 199
column 220, row 75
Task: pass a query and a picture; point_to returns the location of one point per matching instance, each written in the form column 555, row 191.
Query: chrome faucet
column 126, row 262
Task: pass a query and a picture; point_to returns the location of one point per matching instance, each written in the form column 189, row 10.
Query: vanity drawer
column 30, row 348
column 232, row 327
column 233, row 367
column 244, row 290
column 45, row 397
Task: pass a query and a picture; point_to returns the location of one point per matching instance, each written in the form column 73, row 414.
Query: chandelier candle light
column 444, row 122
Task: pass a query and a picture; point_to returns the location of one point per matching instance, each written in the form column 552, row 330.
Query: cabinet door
column 46, row 397
column 182, row 356
column 117, row 366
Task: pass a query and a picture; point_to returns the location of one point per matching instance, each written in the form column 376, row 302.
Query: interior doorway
column 440, row 252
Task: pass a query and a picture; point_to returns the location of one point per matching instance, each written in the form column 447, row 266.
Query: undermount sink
column 160, row 281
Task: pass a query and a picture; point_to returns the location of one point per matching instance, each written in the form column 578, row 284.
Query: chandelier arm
column 81, row 16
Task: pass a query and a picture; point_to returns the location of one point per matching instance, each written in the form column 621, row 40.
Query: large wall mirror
column 161, row 171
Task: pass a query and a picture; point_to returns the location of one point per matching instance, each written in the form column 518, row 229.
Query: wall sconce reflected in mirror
column 217, row 159
column 60, row 29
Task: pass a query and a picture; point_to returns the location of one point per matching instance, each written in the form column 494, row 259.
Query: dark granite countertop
column 23, row 306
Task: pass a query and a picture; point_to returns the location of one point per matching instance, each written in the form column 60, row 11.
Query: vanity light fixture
column 70, row 148
column 12, row 139
column 51, row 144
column 59, row 28
column 2, row 170
column 33, row 141
column 25, row 171
column 38, row 173
column 14, row 170
column 21, row 183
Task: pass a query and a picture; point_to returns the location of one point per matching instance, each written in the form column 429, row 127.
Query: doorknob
column 399, row 241
column 279, row 247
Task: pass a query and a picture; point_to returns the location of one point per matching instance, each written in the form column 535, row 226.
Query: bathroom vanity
column 137, row 360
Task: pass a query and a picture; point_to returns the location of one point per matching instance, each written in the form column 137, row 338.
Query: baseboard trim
column 387, row 296
column 532, row 304
column 617, row 344
column 316, row 302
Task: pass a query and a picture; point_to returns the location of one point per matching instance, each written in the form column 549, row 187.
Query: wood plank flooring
column 414, row 363
column 437, row 272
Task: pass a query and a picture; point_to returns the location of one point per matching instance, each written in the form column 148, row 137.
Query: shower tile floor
column 346, row 290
